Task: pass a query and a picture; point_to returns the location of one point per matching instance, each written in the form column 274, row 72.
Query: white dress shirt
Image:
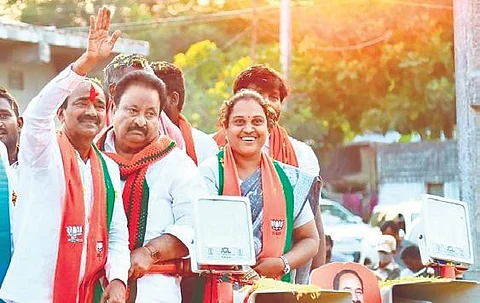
column 174, row 185
column 307, row 160
column 41, row 194
column 205, row 146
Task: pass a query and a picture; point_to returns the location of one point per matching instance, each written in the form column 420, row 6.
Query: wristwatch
column 286, row 268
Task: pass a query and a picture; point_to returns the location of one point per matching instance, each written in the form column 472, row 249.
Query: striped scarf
column 135, row 191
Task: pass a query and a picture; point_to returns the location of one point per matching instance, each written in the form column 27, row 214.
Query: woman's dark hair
column 246, row 94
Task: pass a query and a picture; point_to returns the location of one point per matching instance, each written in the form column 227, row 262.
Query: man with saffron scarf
column 73, row 229
column 119, row 67
column 160, row 183
column 199, row 146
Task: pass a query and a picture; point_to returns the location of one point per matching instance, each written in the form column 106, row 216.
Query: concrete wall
column 394, row 193
column 35, row 78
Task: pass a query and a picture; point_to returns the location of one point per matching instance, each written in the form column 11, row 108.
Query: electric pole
column 285, row 36
column 254, row 31
column 467, row 83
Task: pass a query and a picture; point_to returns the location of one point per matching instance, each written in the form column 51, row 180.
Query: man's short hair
column 411, row 252
column 144, row 79
column 114, row 71
column 264, row 77
column 4, row 94
column 338, row 276
column 389, row 224
column 173, row 78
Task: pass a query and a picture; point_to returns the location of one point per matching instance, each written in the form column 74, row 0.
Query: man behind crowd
column 160, row 183
column 391, row 228
column 415, row 268
column 387, row 268
column 199, row 146
column 73, row 227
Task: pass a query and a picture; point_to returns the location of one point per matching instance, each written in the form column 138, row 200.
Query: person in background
column 391, row 228
column 387, row 268
column 415, row 268
column 199, row 146
column 330, row 256
column 10, row 124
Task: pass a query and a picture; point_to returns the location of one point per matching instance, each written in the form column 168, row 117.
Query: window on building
column 436, row 189
column 15, row 79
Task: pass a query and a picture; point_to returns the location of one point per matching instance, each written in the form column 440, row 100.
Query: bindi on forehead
column 93, row 94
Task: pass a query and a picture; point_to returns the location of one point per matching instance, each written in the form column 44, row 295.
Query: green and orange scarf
column 277, row 205
column 72, row 231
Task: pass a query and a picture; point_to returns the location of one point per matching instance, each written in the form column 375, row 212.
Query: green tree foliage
column 363, row 65
column 377, row 66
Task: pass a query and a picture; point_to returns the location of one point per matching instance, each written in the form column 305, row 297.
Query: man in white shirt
column 120, row 66
column 73, row 229
column 199, row 146
column 10, row 126
column 160, row 184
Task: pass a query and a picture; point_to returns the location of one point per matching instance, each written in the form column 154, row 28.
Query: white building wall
column 393, row 193
column 35, row 76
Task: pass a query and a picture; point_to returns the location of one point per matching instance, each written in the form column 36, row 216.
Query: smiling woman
column 285, row 236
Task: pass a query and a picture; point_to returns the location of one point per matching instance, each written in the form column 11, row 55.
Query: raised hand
column 100, row 45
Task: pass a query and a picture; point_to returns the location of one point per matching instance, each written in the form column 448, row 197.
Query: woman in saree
column 285, row 236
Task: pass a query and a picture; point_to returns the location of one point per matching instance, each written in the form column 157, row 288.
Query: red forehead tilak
column 93, row 93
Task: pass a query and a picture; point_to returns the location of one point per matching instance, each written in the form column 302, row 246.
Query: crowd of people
column 397, row 257
column 88, row 210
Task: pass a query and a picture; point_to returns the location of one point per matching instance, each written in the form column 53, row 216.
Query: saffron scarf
column 186, row 129
column 281, row 149
column 5, row 234
column 277, row 192
column 72, row 228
